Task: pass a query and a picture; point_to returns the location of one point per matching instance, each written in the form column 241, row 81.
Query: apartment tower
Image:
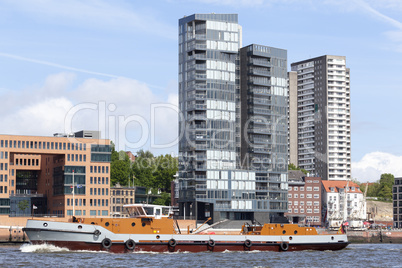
column 208, row 47
column 264, row 123
column 227, row 106
column 323, row 117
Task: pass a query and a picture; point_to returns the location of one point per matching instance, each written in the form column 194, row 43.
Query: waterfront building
column 343, row 201
column 38, row 175
column 126, row 195
column 304, row 199
column 120, row 196
column 215, row 100
column 323, row 116
column 397, row 202
column 264, row 123
column 292, row 119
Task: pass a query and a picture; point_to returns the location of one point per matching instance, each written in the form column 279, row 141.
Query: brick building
column 42, row 172
column 304, row 200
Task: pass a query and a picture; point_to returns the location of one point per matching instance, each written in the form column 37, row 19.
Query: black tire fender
column 97, row 232
column 130, row 244
column 211, row 243
column 172, row 243
column 247, row 243
column 106, row 243
column 284, row 246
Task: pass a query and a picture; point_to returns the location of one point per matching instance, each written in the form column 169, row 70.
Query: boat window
column 158, row 211
column 165, row 211
column 149, row 210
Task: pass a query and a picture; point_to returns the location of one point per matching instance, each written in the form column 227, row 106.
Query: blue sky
column 112, row 65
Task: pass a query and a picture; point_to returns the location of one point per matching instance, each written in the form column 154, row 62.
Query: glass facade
column 208, row 47
column 212, row 180
column 263, row 95
column 101, row 153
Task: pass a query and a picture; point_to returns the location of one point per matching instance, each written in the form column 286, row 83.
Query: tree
column 120, row 171
column 292, row 166
column 166, row 168
column 387, row 181
column 164, row 200
column 385, row 193
column 146, row 154
column 373, row 189
column 23, row 205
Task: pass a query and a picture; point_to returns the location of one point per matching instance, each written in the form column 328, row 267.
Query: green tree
column 23, row 205
column 386, row 183
column 387, row 179
column 292, row 166
column 373, row 189
column 385, row 193
column 164, row 200
column 120, row 170
column 166, row 168
column 143, row 170
column 146, row 154
column 155, row 173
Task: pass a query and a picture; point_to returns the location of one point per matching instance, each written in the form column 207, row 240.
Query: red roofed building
column 343, row 201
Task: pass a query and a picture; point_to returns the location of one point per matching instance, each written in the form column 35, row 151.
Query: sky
column 113, row 66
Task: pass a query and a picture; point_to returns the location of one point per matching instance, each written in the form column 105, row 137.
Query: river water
column 355, row 255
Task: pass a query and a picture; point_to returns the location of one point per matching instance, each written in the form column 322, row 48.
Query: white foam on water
column 48, row 248
column 165, row 252
column 43, row 248
column 241, row 251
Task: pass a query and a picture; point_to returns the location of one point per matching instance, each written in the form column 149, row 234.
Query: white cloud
column 94, row 104
column 372, row 165
column 40, row 118
column 126, row 100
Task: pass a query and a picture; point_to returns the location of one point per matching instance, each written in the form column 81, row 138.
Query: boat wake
column 43, row 248
column 245, row 252
column 165, row 252
column 47, row 248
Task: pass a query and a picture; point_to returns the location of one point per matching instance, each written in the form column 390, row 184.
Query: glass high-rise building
column 264, row 122
column 214, row 180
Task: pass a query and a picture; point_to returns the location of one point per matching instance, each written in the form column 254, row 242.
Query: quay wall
column 375, row 236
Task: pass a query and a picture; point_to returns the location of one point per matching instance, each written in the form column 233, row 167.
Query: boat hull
column 189, row 247
column 76, row 236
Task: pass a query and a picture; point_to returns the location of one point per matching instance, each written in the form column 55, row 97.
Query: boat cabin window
column 138, row 211
column 149, row 210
